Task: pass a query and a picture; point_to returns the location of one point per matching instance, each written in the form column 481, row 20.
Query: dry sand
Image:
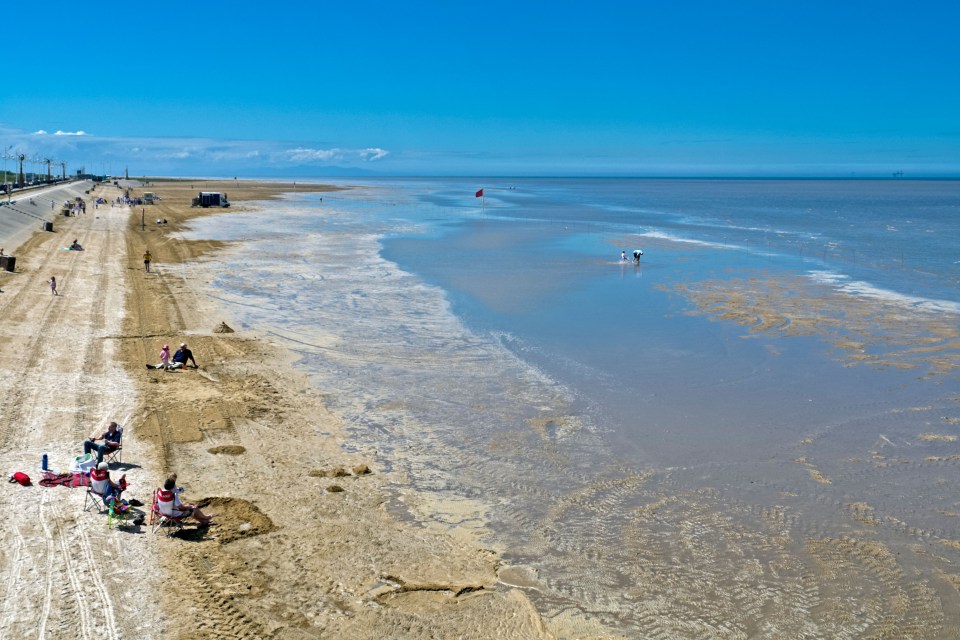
column 303, row 546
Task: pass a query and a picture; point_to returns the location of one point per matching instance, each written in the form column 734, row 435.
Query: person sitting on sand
column 182, row 356
column 101, row 483
column 168, row 499
column 111, row 440
column 75, row 246
column 164, row 359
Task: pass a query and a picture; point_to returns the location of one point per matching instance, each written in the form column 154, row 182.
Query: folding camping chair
column 97, row 491
column 95, row 499
column 115, row 455
column 115, row 508
column 162, row 513
column 118, row 511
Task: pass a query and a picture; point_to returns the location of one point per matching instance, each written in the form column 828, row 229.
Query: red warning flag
column 479, row 194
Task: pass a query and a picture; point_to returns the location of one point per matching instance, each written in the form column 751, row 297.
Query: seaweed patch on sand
column 863, row 330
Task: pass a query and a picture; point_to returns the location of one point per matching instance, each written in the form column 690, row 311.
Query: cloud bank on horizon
column 181, row 156
column 188, row 156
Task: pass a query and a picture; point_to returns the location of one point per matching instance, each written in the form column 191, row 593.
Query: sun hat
column 102, row 466
column 183, row 344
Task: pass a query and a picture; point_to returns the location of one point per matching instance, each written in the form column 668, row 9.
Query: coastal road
column 25, row 217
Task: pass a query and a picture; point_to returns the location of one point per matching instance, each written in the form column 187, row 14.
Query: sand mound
column 228, row 450
column 235, row 519
column 339, row 472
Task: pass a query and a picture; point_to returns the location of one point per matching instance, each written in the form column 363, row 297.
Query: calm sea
column 499, row 352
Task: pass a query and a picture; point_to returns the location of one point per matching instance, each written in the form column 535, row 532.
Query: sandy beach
column 304, row 544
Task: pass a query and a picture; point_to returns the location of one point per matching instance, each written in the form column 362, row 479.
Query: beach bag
column 21, row 478
column 83, row 463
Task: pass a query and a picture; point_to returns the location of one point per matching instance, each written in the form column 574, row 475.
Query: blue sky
column 494, row 88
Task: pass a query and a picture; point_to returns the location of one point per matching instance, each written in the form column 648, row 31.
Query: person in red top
column 101, row 483
column 169, row 504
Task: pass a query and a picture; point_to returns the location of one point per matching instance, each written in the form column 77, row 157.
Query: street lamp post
column 6, row 177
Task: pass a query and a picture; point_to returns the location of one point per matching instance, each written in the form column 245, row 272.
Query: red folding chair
column 163, row 513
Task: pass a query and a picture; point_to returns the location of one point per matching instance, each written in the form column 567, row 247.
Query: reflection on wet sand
column 858, row 539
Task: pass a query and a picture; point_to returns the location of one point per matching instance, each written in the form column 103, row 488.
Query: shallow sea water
column 648, row 464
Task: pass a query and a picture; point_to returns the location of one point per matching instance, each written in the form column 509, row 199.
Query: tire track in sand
column 54, row 354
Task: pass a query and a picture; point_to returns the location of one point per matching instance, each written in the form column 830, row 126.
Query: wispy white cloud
column 306, row 155
column 58, row 132
column 183, row 156
column 375, row 154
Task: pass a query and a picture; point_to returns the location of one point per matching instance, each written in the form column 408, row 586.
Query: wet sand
column 302, row 546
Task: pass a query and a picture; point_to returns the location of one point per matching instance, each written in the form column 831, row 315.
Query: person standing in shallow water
column 146, row 260
column 53, row 285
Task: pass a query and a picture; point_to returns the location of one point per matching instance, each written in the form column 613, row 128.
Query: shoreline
column 276, row 463
column 582, row 532
column 290, row 555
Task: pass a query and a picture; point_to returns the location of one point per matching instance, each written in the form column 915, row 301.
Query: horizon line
column 555, row 177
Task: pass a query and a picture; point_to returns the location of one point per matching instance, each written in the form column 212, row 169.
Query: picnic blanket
column 65, row 479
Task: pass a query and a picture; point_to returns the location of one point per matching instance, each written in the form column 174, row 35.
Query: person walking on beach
column 623, row 256
column 146, row 260
column 53, row 285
